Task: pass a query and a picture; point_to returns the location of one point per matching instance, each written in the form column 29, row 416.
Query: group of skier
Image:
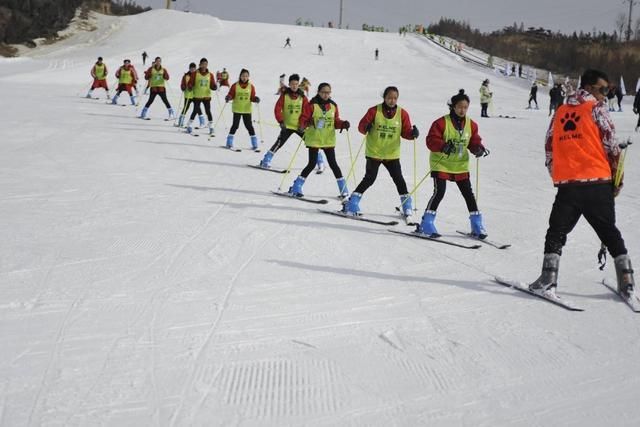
column 582, row 155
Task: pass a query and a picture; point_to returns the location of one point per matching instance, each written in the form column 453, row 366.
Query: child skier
column 321, row 119
column 187, row 93
column 224, row 78
column 127, row 79
column 202, row 84
column 157, row 75
column 384, row 125
column 99, row 73
column 450, row 139
column 242, row 94
column 288, row 112
column 485, row 98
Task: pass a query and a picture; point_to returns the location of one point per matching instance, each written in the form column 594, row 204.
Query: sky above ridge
column 487, row 15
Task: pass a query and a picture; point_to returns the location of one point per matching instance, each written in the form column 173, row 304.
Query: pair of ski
column 632, row 301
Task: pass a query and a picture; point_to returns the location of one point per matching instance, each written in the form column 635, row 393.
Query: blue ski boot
column 89, row 94
column 352, row 205
column 406, row 205
column 266, row 160
column 172, row 114
column 254, row 142
column 477, row 228
column 190, row 126
column 211, row 130
column 181, row 121
column 201, row 118
column 342, row 188
column 133, row 99
column 114, row 101
column 427, row 225
column 230, row 141
column 296, row 189
column 143, row 114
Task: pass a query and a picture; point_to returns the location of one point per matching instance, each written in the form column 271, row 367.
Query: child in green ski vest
column 450, row 140
column 242, row 94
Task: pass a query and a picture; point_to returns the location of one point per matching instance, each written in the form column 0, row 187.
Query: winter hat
column 293, row 77
column 99, row 58
column 192, row 65
column 485, row 82
column 460, row 96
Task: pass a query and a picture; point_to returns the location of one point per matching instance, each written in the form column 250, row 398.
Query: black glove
column 227, row 98
column 345, row 125
column 449, row 147
column 256, row 100
column 368, row 128
column 635, row 111
column 282, row 126
column 482, row 152
column 301, row 130
column 415, row 132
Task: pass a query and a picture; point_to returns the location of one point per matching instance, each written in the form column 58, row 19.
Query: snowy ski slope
column 149, row 278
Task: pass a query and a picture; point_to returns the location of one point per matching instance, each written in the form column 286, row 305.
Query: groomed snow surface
column 150, row 278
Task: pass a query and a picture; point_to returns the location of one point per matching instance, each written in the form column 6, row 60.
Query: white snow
column 149, row 278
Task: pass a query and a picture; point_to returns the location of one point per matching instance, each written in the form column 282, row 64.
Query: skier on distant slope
column 582, row 156
column 384, row 125
column 288, row 112
column 99, row 73
column 157, row 75
column 187, row 93
column 533, row 95
column 127, row 79
column 242, row 94
column 321, row 119
column 636, row 109
column 485, row 98
column 450, row 139
column 202, row 84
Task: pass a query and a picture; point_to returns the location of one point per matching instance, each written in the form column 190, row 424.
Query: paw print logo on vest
column 569, row 121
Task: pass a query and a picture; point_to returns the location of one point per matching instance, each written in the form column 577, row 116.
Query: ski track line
column 194, row 236
column 212, row 330
column 53, row 356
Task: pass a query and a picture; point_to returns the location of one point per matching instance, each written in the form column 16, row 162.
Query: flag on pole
column 624, row 89
column 550, row 79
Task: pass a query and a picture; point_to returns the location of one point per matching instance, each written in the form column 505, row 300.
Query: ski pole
column 219, row 116
column 221, row 110
column 272, row 124
column 422, row 180
column 353, row 164
column 415, row 172
column 293, row 158
column 260, row 125
column 477, row 179
column 351, row 157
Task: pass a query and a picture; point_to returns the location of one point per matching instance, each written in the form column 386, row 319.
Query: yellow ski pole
column 221, row 111
column 477, row 179
column 219, row 116
column 351, row 157
column 353, row 164
column 293, row 158
column 422, row 180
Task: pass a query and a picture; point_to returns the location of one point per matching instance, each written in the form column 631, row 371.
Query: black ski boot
column 624, row 273
column 548, row 280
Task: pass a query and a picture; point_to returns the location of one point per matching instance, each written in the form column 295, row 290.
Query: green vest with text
column 383, row 140
column 188, row 93
column 458, row 160
column 292, row 111
column 242, row 101
column 202, row 86
column 126, row 76
column 323, row 132
column 100, row 71
column 157, row 77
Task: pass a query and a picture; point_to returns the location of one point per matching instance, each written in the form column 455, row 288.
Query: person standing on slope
column 288, row 112
column 187, row 93
column 99, row 73
column 157, row 75
column 202, row 84
column 485, row 98
column 287, row 42
column 127, row 79
column 224, row 77
column 321, row 119
column 636, row 109
column 384, row 125
column 582, row 156
column 144, row 58
column 450, row 140
column 242, row 94
column 533, row 95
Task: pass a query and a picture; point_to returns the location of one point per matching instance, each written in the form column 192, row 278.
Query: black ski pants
column 246, row 118
column 534, row 99
column 371, row 172
column 440, row 187
column 483, row 109
column 593, row 201
column 197, row 110
column 187, row 104
column 162, row 95
column 283, row 137
column 313, row 159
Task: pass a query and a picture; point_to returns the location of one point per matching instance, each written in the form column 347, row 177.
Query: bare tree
column 621, row 21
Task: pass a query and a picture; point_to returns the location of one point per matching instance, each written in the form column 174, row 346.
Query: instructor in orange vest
column 582, row 156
